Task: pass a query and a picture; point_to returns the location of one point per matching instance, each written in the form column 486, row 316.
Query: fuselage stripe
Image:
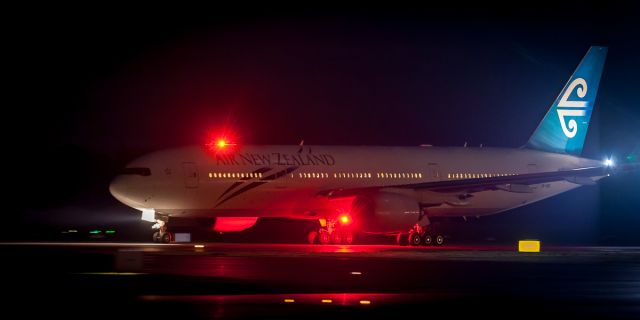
column 235, row 185
column 262, row 181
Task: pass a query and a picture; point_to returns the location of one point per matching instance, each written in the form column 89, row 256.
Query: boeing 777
column 391, row 190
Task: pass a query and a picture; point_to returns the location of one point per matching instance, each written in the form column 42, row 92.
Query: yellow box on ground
column 529, row 246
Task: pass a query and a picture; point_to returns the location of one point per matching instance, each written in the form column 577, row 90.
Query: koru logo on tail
column 572, row 108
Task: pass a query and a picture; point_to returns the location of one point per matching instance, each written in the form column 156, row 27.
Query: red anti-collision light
column 219, row 145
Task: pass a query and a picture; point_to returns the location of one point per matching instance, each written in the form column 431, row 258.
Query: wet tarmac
column 214, row 280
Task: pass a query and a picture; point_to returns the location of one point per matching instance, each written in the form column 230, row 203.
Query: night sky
column 92, row 88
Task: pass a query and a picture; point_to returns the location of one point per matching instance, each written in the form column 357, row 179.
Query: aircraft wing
column 514, row 183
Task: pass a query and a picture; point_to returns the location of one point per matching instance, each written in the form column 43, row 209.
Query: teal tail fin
column 564, row 127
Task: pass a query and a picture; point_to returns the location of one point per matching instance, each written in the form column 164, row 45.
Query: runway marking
column 90, row 244
column 111, row 273
column 505, row 253
column 341, row 299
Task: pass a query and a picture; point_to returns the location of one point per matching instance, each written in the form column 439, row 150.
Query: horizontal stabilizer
column 460, row 200
column 583, row 181
column 457, row 203
column 515, row 188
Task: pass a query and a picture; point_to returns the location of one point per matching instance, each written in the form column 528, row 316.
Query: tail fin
column 564, row 127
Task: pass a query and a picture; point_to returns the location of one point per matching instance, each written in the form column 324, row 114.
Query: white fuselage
column 289, row 181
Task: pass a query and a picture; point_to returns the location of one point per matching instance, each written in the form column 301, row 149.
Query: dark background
column 91, row 88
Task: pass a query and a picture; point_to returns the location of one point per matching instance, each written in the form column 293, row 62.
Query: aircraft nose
column 117, row 188
column 131, row 189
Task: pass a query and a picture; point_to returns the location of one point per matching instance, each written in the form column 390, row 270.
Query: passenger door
column 433, row 172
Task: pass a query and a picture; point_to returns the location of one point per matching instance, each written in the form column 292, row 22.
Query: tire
column 312, row 237
column 347, row 238
column 336, row 237
column 323, row 238
column 439, row 240
column 156, row 236
column 166, row 237
column 427, row 240
column 415, row 239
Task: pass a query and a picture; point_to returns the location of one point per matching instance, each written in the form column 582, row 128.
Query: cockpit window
column 136, row 171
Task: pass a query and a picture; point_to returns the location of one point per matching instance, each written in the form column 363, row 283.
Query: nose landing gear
column 162, row 235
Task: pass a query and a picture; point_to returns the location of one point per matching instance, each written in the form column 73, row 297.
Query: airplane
column 371, row 189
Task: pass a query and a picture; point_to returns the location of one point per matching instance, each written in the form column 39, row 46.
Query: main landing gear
column 162, row 235
column 419, row 236
column 331, row 232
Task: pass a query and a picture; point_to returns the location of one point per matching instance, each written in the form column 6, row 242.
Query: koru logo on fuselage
column 572, row 108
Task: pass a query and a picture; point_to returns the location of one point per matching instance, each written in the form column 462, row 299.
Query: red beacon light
column 219, row 145
column 344, row 219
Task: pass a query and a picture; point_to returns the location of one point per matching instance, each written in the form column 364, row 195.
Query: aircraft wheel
column 347, row 238
column 439, row 240
column 166, row 237
column 336, row 237
column 415, row 239
column 427, row 240
column 323, row 237
column 312, row 236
